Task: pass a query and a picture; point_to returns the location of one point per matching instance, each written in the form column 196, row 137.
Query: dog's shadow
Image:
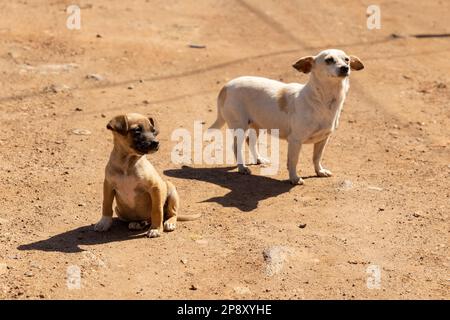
column 70, row 241
column 246, row 191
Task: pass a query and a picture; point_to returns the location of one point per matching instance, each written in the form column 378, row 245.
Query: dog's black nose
column 154, row 144
column 344, row 69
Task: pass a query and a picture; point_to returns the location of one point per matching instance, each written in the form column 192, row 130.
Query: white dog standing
column 303, row 114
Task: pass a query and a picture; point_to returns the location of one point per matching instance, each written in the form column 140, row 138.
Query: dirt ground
column 386, row 207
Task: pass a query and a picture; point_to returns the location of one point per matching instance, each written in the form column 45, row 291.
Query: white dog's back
column 256, row 101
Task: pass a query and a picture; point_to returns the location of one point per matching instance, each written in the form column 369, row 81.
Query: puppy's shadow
column 246, row 191
column 70, row 241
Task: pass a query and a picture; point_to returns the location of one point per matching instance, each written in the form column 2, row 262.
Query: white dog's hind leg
column 253, row 135
column 294, row 148
column 239, row 154
column 317, row 159
column 238, row 144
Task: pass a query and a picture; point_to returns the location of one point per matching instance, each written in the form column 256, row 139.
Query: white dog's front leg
column 294, row 148
column 317, row 159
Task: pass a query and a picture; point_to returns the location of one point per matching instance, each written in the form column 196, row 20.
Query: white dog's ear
column 305, row 64
column 355, row 63
column 118, row 124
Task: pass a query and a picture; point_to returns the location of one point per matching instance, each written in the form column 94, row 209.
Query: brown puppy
column 142, row 196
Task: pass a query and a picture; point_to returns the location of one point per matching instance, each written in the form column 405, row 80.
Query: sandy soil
column 387, row 204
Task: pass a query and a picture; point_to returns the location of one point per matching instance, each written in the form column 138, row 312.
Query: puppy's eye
column 346, row 59
column 136, row 129
column 329, row 60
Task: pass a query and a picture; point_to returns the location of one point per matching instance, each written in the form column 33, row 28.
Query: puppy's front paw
column 296, row 181
column 104, row 224
column 153, row 233
column 244, row 170
column 168, row 227
column 324, row 173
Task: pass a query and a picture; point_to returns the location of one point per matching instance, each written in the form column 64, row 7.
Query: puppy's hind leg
column 137, row 225
column 171, row 208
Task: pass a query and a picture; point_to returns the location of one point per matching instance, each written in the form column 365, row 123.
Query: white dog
column 302, row 113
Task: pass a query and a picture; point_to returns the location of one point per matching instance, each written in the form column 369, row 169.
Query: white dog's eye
column 346, row 59
column 329, row 60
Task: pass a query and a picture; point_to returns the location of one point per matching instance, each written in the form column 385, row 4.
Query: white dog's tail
column 220, row 121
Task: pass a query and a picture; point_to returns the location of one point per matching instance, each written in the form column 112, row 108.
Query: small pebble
column 197, row 46
column 95, row 76
column 81, row 132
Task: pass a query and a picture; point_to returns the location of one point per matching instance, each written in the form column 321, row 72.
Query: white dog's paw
column 296, row 181
column 262, row 161
column 104, row 224
column 137, row 225
column 153, row 233
column 324, row 173
column 168, row 227
column 244, row 170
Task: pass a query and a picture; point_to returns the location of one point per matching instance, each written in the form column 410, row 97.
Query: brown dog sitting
column 142, row 196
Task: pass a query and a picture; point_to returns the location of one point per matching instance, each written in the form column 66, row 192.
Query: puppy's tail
column 220, row 121
column 173, row 203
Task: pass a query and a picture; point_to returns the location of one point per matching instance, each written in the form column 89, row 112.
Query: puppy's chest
column 128, row 189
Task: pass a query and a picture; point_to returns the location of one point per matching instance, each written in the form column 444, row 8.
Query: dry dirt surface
column 386, row 208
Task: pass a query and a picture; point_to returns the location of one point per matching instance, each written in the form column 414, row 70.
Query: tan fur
column 282, row 100
column 131, row 180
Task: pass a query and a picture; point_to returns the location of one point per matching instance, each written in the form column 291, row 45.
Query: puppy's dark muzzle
column 147, row 146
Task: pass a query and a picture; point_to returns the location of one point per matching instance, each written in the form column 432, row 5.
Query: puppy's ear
column 305, row 64
column 355, row 63
column 154, row 125
column 118, row 124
